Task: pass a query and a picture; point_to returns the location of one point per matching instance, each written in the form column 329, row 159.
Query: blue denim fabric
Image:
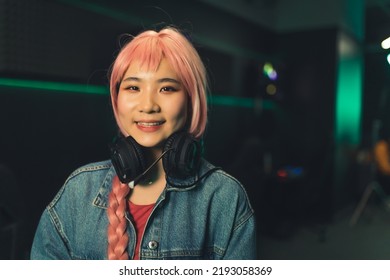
column 211, row 220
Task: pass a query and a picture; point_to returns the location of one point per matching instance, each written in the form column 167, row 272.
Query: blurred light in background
column 271, row 89
column 386, row 44
column 269, row 71
column 388, row 58
column 349, row 91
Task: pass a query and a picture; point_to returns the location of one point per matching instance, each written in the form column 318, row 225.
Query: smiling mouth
column 149, row 124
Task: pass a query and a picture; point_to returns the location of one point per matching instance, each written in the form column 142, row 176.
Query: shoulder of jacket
column 221, row 175
column 91, row 167
column 230, row 194
column 76, row 184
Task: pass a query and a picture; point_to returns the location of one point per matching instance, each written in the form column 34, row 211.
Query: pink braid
column 117, row 235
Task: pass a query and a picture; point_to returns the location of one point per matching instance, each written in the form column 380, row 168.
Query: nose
column 148, row 103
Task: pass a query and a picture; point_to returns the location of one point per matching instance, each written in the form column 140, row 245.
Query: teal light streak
column 49, row 87
column 349, row 100
column 350, row 75
column 243, row 102
column 53, row 86
column 231, row 101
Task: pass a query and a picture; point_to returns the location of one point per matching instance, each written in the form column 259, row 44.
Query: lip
column 149, row 126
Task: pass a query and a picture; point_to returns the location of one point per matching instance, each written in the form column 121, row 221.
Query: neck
column 157, row 171
column 149, row 189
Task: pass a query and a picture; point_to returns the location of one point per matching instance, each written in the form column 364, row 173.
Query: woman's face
column 151, row 105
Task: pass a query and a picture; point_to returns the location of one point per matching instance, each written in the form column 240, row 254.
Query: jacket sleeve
column 234, row 222
column 242, row 245
column 48, row 244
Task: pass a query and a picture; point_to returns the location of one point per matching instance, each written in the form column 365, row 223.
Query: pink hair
column 149, row 48
column 117, row 235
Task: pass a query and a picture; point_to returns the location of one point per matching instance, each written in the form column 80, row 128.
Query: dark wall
column 47, row 134
column 376, row 100
column 303, row 140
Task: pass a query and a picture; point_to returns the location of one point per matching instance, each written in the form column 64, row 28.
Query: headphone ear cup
column 183, row 159
column 127, row 158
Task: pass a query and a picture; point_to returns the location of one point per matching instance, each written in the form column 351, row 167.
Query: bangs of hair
column 144, row 49
column 147, row 52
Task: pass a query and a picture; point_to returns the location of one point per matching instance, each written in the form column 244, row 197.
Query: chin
column 152, row 140
column 152, row 143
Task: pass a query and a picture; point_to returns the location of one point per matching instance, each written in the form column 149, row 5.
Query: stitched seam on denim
column 185, row 253
column 238, row 183
column 243, row 220
column 99, row 198
column 152, row 222
column 74, row 174
column 57, row 224
column 88, row 169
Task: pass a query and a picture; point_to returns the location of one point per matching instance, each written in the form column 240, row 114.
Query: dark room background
column 288, row 117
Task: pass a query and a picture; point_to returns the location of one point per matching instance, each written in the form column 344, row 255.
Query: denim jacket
column 211, row 220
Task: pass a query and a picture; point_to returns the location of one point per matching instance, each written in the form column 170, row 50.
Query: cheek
column 182, row 113
column 123, row 105
column 119, row 107
column 182, row 117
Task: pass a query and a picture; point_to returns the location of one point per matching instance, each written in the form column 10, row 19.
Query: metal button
column 153, row 244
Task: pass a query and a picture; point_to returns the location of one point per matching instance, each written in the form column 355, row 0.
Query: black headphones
column 181, row 157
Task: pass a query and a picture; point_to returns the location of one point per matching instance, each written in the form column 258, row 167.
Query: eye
column 131, row 88
column 168, row 89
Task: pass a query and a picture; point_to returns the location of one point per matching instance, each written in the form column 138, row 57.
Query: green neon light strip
column 221, row 100
column 349, row 100
column 231, row 101
column 53, row 86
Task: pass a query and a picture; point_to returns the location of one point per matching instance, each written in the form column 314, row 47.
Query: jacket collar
column 173, row 184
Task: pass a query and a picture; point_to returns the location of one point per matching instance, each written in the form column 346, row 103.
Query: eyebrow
column 162, row 80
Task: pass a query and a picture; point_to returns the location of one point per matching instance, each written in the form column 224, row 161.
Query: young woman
column 156, row 198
